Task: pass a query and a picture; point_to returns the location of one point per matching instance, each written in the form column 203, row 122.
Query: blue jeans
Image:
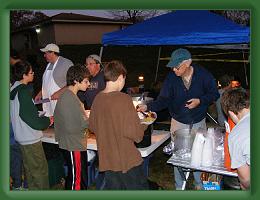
column 16, row 165
column 175, row 125
column 179, row 180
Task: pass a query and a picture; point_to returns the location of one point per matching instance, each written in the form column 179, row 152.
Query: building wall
column 61, row 34
column 82, row 33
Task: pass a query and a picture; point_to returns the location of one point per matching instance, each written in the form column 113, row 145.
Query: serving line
column 157, row 139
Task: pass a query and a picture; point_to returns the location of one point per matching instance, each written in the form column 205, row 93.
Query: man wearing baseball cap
column 53, row 84
column 54, row 77
column 187, row 92
column 97, row 82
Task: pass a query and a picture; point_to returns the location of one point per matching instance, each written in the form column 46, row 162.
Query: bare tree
column 135, row 15
column 20, row 18
column 238, row 16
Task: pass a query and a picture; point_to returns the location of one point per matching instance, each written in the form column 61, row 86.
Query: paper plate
column 148, row 120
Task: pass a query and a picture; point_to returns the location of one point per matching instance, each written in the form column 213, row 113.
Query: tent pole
column 101, row 51
column 158, row 62
column 245, row 68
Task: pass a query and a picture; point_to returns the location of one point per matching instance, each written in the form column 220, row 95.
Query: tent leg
column 101, row 51
column 157, row 66
column 245, row 69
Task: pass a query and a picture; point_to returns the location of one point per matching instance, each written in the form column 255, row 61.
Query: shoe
column 198, row 187
column 19, row 189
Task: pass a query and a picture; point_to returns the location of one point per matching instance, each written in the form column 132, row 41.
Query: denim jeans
column 179, row 179
column 175, row 125
column 16, row 165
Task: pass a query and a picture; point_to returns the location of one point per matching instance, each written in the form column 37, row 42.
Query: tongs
column 142, row 97
column 144, row 114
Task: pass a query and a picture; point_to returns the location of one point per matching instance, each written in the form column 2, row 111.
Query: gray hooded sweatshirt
column 26, row 123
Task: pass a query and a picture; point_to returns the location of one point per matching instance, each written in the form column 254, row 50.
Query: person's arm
column 244, row 176
column 57, row 94
column 29, row 113
column 38, row 96
column 134, row 130
column 163, row 99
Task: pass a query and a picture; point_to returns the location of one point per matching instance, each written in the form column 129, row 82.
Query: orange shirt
column 227, row 160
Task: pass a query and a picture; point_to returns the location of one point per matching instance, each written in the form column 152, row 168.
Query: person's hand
column 87, row 113
column 141, row 107
column 55, row 95
column 51, row 120
column 38, row 96
column 192, row 103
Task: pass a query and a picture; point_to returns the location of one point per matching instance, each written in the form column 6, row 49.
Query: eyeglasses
column 178, row 67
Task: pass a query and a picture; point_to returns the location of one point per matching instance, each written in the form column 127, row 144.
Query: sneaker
column 19, row 189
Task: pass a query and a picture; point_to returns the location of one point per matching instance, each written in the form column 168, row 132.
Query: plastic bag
column 197, row 148
column 207, row 152
column 168, row 149
column 218, row 151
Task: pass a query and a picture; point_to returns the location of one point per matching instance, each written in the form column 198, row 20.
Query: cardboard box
column 208, row 185
column 211, row 181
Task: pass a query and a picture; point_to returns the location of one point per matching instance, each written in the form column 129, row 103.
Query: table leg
column 146, row 165
column 184, row 177
column 185, row 181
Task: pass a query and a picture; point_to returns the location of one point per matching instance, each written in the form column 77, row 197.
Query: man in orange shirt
column 235, row 103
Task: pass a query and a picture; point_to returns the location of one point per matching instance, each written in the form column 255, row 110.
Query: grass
column 159, row 171
column 162, row 173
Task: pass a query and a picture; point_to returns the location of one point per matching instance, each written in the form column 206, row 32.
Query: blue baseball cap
column 178, row 56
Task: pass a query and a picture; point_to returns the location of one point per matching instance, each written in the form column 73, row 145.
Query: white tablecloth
column 158, row 138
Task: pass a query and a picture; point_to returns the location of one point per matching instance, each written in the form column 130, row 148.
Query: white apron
column 48, row 88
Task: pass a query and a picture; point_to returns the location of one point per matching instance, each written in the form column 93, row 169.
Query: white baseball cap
column 51, row 47
column 95, row 57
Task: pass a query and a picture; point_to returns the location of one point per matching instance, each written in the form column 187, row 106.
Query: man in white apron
column 53, row 84
column 54, row 78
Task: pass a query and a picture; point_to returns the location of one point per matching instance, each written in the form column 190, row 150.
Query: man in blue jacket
column 187, row 92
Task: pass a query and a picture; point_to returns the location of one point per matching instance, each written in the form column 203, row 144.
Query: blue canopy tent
column 182, row 27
